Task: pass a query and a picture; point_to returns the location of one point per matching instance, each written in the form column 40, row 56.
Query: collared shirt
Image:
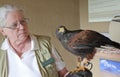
column 26, row 66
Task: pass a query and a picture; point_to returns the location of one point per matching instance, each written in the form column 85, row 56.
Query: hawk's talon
column 82, row 68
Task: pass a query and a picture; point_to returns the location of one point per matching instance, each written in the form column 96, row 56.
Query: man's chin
column 21, row 40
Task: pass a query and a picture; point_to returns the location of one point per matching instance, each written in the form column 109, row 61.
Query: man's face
column 16, row 28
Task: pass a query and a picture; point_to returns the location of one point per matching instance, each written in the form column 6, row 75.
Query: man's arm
column 63, row 73
column 60, row 65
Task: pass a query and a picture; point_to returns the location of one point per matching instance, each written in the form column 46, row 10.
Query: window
column 103, row 10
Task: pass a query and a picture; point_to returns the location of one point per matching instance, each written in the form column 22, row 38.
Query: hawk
column 83, row 43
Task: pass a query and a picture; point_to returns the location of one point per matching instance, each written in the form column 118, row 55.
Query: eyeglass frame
column 14, row 26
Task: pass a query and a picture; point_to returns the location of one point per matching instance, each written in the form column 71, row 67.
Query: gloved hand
column 86, row 73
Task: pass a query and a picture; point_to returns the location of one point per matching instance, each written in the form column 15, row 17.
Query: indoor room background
column 45, row 15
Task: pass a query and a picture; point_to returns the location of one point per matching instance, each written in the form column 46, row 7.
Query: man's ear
column 2, row 31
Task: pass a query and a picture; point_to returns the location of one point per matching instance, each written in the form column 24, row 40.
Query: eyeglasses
column 22, row 22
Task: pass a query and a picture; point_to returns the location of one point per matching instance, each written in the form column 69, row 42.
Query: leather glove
column 86, row 73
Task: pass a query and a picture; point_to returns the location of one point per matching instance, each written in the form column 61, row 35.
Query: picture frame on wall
column 109, row 68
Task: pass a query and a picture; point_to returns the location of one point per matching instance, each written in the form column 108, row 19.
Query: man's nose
column 20, row 25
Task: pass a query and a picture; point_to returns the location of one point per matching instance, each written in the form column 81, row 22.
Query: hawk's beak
column 61, row 29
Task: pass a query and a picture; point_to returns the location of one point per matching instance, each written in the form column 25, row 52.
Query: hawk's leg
column 81, row 65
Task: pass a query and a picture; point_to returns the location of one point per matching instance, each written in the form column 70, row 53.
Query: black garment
column 86, row 73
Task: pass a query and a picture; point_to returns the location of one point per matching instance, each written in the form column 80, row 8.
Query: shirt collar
column 34, row 43
column 5, row 45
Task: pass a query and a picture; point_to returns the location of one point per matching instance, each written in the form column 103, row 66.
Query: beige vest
column 43, row 55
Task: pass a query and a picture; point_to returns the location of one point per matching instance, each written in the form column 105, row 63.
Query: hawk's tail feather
column 115, row 44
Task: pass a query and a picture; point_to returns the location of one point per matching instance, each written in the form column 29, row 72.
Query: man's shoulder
column 42, row 37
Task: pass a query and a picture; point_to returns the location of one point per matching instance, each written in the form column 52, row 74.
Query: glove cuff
column 66, row 74
column 59, row 65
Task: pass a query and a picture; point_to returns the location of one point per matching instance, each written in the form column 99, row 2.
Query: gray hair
column 4, row 11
